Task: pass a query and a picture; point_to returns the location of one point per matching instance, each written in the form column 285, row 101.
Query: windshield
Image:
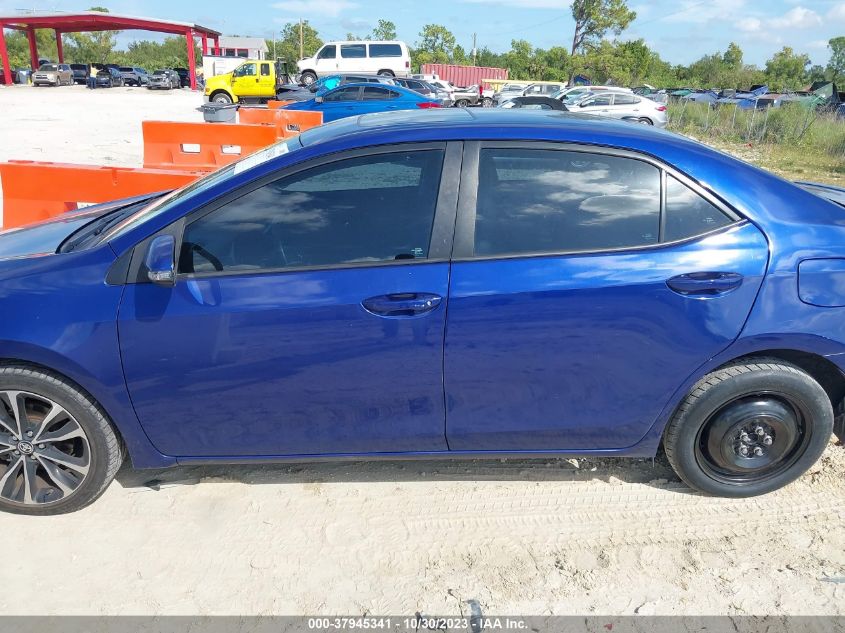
column 125, row 70
column 164, row 203
column 159, row 72
column 48, row 67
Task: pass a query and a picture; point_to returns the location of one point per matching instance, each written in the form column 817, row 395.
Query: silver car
column 622, row 105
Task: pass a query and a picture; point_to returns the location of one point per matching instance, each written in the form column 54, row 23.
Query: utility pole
column 474, row 50
column 301, row 43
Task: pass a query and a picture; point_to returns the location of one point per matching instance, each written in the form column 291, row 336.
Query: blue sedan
column 364, row 98
column 457, row 283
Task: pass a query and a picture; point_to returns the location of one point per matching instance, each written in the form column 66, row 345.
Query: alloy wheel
column 44, row 452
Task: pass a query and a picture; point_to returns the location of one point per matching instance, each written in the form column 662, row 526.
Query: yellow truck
column 252, row 81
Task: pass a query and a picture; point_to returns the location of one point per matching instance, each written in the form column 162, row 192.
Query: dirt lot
column 607, row 537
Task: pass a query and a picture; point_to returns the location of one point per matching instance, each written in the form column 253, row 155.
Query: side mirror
column 318, row 99
column 160, row 260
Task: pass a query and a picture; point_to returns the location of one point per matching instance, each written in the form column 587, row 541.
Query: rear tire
column 462, row 103
column 645, row 121
column 487, row 102
column 78, row 457
column 386, row 73
column 308, row 78
column 749, row 428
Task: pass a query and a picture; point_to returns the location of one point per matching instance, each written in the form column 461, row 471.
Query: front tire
column 58, row 452
column 221, row 97
column 487, row 102
column 749, row 428
column 462, row 103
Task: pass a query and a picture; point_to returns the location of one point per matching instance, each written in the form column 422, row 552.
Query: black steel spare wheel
column 752, row 439
column 748, row 428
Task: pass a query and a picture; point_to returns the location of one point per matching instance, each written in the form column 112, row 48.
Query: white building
column 244, row 47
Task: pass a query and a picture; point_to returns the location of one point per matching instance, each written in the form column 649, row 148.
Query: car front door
column 245, row 80
column 327, row 60
column 308, row 314
column 339, row 103
column 586, row 286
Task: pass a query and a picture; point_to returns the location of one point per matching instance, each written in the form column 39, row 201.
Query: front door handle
column 407, row 304
column 705, row 284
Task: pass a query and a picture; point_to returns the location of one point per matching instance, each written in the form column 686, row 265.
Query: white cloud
column 749, row 25
column 819, row 44
column 797, row 18
column 837, row 12
column 331, row 8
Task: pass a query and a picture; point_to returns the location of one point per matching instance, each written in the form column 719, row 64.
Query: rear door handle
column 407, row 304
column 705, row 284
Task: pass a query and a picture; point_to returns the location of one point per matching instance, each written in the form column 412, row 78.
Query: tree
column 836, row 65
column 288, row 47
column 733, row 56
column 171, row 53
column 386, row 30
column 787, row 70
column 594, row 18
column 92, row 48
column 436, row 46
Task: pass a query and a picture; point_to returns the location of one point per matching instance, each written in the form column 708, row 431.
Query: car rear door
column 586, row 285
column 308, row 315
column 340, row 102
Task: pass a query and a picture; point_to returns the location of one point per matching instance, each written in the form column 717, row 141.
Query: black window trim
column 464, row 240
column 442, row 232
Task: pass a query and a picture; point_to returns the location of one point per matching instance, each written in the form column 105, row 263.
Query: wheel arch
column 229, row 94
column 112, row 400
column 810, row 353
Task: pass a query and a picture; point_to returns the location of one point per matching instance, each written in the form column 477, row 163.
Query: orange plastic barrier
column 201, row 146
column 275, row 105
column 287, row 123
column 34, row 191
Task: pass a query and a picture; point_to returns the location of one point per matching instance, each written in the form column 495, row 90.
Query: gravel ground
column 611, row 537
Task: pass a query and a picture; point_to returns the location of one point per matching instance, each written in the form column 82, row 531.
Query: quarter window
column 548, row 201
column 688, row 214
column 353, row 51
column 377, row 208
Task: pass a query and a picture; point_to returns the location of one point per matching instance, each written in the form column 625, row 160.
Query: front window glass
column 361, row 210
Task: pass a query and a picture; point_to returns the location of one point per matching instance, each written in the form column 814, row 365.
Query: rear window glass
column 385, row 50
column 126, row 70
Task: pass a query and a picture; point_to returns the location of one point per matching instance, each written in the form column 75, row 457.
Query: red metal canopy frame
column 89, row 21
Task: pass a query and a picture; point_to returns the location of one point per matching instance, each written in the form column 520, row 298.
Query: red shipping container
column 463, row 76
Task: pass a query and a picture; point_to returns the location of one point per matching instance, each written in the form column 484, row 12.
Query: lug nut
column 759, row 431
column 743, row 450
column 17, row 452
column 744, row 437
column 758, row 451
column 42, row 446
column 29, row 433
column 767, row 440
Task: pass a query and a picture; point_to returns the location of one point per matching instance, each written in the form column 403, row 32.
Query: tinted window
column 343, row 94
column 265, row 70
column 247, row 70
column 125, row 69
column 368, row 209
column 688, row 214
column 547, row 201
column 371, row 93
column 385, row 50
column 329, row 52
column 348, row 51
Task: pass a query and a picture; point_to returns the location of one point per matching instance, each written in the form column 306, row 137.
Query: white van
column 391, row 59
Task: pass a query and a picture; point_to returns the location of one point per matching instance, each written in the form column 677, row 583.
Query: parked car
column 109, row 77
column 165, row 79
column 465, row 97
column 537, row 89
column 426, row 89
column 53, row 75
column 575, row 94
column 184, row 76
column 80, row 73
column 134, row 76
column 392, row 59
column 364, row 98
column 303, row 294
column 623, row 105
column 535, row 103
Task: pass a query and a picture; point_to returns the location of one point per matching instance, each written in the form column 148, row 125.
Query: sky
column 680, row 30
